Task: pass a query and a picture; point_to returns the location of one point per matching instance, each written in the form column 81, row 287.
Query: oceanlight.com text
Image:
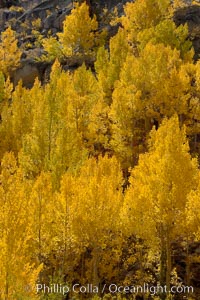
column 150, row 289
column 112, row 288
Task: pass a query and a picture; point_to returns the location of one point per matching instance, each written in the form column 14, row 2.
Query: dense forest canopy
column 99, row 175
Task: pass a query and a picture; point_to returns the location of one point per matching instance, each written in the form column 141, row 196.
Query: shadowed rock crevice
column 191, row 16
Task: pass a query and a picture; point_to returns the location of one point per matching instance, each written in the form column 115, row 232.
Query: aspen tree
column 6, row 136
column 96, row 205
column 99, row 128
column 168, row 34
column 10, row 54
column 155, row 65
column 2, row 81
column 81, row 92
column 68, row 246
column 126, row 134
column 78, row 31
column 193, row 115
column 39, row 142
column 6, row 89
column 193, row 218
column 191, row 227
column 155, row 26
column 135, row 20
column 191, row 119
column 58, row 138
column 18, row 273
column 21, row 115
column 42, row 217
column 84, row 94
column 79, row 35
column 156, row 200
column 53, row 49
column 108, row 64
column 34, row 149
column 140, row 97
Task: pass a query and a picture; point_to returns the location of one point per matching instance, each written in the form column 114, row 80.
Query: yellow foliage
column 168, row 34
column 18, row 273
column 78, row 31
column 108, row 64
column 9, row 60
column 53, row 49
column 193, row 209
column 96, row 199
column 63, row 207
column 79, row 36
column 42, row 216
column 143, row 14
column 161, row 182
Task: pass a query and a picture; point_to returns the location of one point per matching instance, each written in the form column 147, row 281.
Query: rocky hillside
column 35, row 19
column 191, row 16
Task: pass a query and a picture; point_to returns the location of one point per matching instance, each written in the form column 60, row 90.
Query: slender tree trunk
column 195, row 141
column 141, row 266
column 187, row 264
column 148, row 124
column 82, row 269
column 163, row 262
column 95, row 267
column 6, row 287
column 50, row 136
column 169, row 264
column 39, row 231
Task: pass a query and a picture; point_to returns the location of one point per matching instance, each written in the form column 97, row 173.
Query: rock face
column 29, row 11
column 52, row 13
column 191, row 16
column 21, row 17
column 27, row 73
column 8, row 3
